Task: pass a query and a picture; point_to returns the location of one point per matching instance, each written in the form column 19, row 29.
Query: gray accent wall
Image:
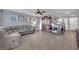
column 6, row 19
column 6, row 16
column 0, row 18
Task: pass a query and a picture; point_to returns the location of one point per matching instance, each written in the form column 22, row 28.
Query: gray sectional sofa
column 10, row 36
column 22, row 29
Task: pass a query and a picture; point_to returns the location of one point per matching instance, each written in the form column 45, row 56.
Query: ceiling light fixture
column 39, row 12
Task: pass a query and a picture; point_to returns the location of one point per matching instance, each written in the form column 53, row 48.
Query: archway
column 46, row 21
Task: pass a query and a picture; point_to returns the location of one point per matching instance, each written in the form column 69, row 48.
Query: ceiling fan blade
column 36, row 13
column 43, row 12
column 37, row 9
column 39, row 12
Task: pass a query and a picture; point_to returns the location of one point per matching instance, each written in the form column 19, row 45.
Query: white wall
column 0, row 18
column 71, row 23
column 6, row 19
column 66, row 21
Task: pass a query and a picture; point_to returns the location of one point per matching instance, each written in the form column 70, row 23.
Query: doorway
column 73, row 23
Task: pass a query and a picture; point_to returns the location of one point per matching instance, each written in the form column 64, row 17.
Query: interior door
column 73, row 23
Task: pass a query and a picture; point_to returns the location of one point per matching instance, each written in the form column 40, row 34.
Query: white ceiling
column 52, row 12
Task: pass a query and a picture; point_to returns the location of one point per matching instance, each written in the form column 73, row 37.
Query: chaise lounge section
column 8, row 41
column 10, row 37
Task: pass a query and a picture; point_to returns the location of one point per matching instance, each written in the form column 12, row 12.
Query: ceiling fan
column 38, row 11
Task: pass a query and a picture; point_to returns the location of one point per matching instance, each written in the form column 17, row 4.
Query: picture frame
column 21, row 18
column 13, row 18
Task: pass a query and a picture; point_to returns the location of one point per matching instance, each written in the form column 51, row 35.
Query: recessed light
column 67, row 12
column 72, row 15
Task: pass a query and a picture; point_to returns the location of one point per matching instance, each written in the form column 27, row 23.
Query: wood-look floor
column 48, row 41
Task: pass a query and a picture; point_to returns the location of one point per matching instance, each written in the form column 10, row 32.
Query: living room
column 29, row 29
